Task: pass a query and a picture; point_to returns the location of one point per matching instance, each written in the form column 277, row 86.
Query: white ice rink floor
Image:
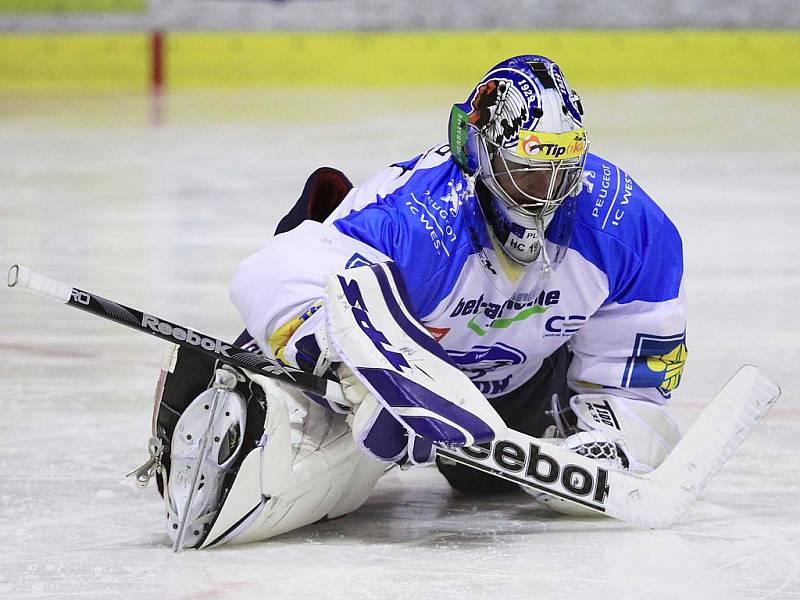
column 157, row 217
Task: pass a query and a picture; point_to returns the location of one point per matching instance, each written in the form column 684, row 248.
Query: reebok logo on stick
column 534, row 466
column 187, row 335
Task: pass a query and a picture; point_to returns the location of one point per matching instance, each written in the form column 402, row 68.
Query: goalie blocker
column 412, row 378
column 413, row 394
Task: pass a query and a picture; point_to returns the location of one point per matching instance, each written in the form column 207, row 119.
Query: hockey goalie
column 509, row 278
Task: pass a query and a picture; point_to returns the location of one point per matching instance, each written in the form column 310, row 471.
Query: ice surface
column 157, row 217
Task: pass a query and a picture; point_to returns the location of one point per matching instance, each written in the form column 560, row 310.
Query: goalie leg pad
column 308, row 468
column 186, row 375
column 205, row 444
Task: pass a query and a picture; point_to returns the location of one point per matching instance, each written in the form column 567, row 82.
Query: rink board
column 598, row 59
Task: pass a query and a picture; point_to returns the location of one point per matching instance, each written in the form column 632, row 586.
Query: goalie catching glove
column 630, row 434
column 618, row 432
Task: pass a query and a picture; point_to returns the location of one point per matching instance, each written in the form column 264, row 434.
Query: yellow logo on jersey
column 671, row 364
column 538, row 145
column 656, row 361
column 281, row 336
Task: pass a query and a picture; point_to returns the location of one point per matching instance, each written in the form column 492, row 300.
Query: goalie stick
column 656, row 499
column 25, row 279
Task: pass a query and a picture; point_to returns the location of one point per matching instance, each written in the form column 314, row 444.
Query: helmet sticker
column 567, row 96
column 499, row 109
column 540, row 145
column 542, row 74
column 502, row 104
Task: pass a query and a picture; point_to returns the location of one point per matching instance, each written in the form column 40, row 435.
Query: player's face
column 521, row 184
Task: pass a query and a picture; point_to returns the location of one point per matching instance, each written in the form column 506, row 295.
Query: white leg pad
column 309, row 468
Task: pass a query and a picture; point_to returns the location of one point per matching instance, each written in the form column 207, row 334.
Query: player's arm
column 627, row 361
column 279, row 291
column 629, row 357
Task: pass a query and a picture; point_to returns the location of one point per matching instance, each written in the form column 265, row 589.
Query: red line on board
column 157, row 61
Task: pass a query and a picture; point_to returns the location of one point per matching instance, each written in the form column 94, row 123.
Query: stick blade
column 708, row 444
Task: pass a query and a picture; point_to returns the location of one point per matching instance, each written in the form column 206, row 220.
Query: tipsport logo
column 656, row 361
column 492, row 315
column 551, row 146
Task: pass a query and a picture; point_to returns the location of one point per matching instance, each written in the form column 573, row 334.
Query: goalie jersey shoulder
column 625, row 234
column 426, row 224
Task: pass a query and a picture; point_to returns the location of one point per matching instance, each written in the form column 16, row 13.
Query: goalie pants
column 527, row 409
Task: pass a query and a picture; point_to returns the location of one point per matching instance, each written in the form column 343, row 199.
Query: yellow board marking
column 341, row 60
column 71, row 6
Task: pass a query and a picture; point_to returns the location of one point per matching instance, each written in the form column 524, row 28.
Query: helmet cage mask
column 539, row 187
column 520, row 134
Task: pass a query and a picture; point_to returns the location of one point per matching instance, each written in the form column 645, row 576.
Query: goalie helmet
column 520, row 134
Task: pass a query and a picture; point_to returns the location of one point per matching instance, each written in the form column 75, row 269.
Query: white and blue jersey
column 616, row 298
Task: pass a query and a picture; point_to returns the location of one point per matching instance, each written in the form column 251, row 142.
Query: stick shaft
column 23, row 278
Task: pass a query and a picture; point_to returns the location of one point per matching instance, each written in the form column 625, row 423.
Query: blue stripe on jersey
column 416, row 227
column 621, row 230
